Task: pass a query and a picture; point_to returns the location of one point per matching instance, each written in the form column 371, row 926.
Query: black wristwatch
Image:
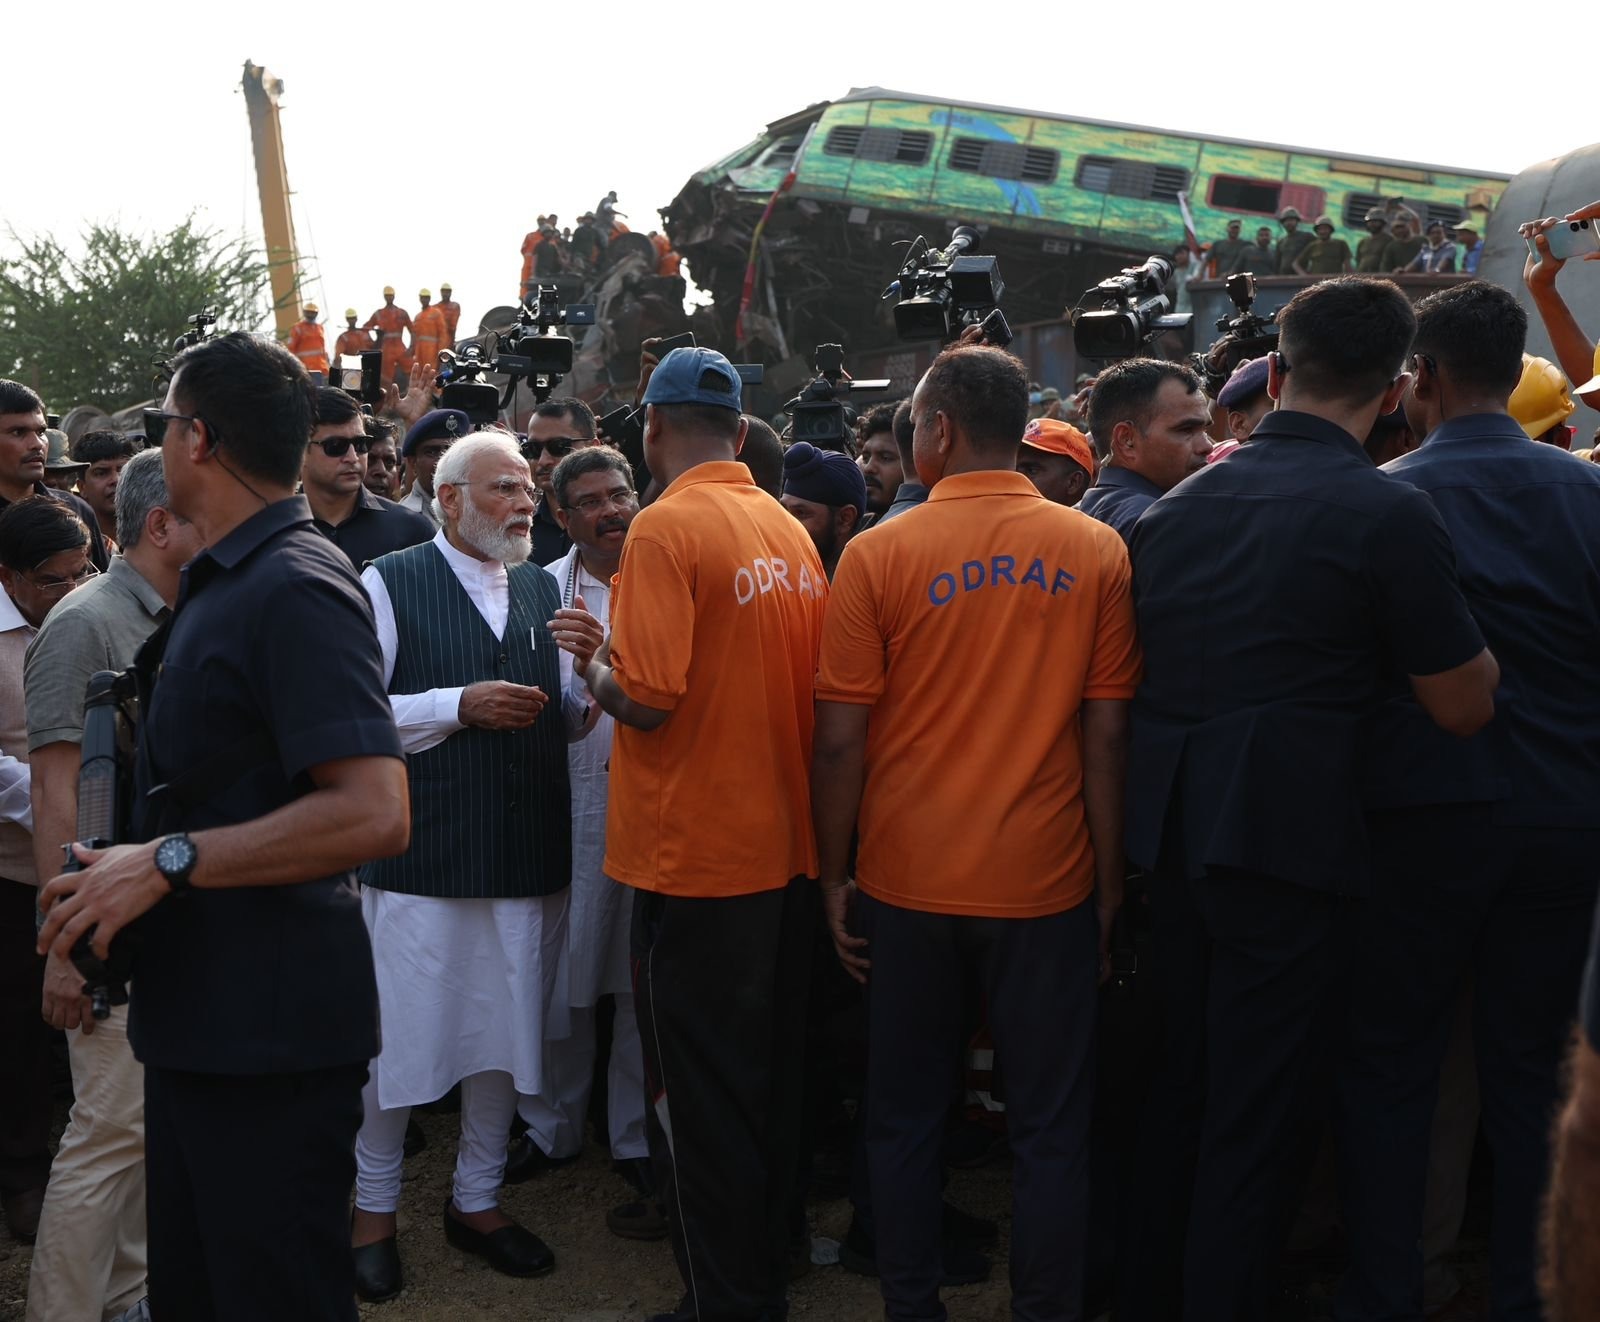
column 175, row 860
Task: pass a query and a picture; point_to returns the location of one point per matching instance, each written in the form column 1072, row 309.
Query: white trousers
column 89, row 1262
column 488, row 1101
column 555, row 1114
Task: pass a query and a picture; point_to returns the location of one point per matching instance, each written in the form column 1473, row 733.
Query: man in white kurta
column 595, row 503
column 469, row 926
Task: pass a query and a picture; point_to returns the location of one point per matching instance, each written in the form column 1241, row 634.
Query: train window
column 1357, row 205
column 1142, row 179
column 780, row 156
column 1005, row 160
column 1230, row 193
column 892, row 146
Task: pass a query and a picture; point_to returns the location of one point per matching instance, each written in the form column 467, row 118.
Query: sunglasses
column 336, row 447
column 559, row 448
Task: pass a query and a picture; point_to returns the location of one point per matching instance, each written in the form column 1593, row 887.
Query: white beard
column 479, row 530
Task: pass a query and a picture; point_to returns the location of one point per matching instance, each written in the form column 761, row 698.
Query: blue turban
column 824, row 477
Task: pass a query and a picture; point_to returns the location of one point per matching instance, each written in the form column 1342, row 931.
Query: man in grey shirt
column 90, row 1258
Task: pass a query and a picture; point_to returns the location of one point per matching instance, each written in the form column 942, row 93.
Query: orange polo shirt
column 717, row 618
column 975, row 627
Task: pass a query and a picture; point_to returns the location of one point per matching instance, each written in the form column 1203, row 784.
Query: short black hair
column 1476, row 333
column 903, row 430
column 763, row 455
column 879, row 418
column 1126, row 392
column 983, row 390
column 590, row 459
column 335, row 407
column 18, row 398
column 380, row 429
column 95, row 447
column 713, row 420
column 1345, row 340
column 574, row 410
column 34, row 529
column 256, row 400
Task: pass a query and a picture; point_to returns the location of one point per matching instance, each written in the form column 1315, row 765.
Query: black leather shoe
column 512, row 1249
column 525, row 1159
column 639, row 1174
column 378, row 1271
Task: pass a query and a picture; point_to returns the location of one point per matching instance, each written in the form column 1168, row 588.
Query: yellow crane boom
column 261, row 93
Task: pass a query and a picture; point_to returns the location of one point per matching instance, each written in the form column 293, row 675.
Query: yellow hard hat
column 446, row 287
column 388, row 291
column 351, row 312
column 424, row 293
column 1540, row 400
column 309, row 307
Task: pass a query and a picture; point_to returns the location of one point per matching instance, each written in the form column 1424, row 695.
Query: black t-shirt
column 1525, row 522
column 1274, row 593
column 272, row 652
column 377, row 527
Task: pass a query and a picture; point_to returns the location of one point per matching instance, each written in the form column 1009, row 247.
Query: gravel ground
column 598, row 1277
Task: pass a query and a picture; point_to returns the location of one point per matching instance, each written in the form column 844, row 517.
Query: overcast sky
column 422, row 141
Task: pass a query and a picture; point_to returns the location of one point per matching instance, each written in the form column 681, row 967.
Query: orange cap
column 1056, row 437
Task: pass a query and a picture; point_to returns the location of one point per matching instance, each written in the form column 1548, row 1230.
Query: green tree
column 85, row 325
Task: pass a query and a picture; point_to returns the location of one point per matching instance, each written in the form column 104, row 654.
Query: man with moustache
column 880, row 461
column 383, row 459
column 468, row 926
column 595, row 501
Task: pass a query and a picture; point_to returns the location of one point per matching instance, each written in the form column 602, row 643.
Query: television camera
column 942, row 292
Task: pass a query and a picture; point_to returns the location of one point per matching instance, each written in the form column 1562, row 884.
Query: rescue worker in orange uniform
column 452, row 314
column 352, row 340
column 428, row 335
column 669, row 261
column 307, row 344
column 391, row 323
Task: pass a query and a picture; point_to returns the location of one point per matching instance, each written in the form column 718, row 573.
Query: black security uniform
column 1487, row 859
column 1118, row 497
column 550, row 540
column 376, row 527
column 254, row 1009
column 1272, row 591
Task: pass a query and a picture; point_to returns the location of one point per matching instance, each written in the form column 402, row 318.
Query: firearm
column 105, row 778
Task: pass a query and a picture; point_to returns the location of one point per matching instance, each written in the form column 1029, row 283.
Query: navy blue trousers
column 1039, row 976
column 1457, row 896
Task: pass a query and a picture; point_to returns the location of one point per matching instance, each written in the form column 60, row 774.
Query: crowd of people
column 1269, row 708
column 551, row 249
column 1397, row 241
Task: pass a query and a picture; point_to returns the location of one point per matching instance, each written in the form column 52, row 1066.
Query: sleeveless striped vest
column 491, row 810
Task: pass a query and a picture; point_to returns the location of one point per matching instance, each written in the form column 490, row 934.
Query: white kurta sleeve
column 16, row 792
column 427, row 719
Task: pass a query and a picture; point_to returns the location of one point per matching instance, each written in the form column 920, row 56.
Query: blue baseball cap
column 452, row 424
column 695, row 376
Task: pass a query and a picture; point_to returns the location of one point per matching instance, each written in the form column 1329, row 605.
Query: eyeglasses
column 559, row 448
column 623, row 500
column 507, row 488
column 336, row 447
column 52, row 586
